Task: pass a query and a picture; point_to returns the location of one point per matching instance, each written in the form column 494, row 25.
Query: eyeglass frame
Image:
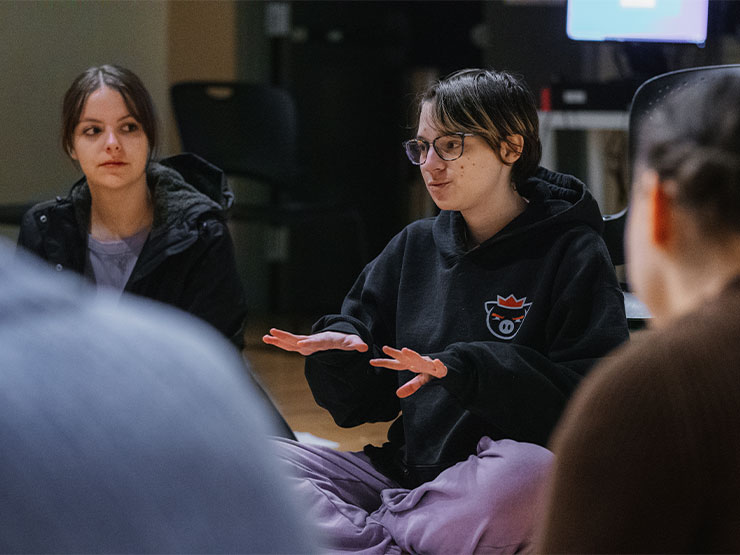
column 433, row 144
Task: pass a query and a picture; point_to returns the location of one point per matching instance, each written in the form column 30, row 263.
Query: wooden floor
column 282, row 376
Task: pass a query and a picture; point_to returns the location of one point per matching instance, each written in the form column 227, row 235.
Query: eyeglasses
column 448, row 147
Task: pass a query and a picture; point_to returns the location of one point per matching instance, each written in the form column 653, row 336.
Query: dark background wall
column 351, row 69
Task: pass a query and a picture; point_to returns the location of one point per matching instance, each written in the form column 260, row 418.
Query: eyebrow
column 440, row 133
column 95, row 120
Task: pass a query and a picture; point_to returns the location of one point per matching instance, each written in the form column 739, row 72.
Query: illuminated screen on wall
column 638, row 20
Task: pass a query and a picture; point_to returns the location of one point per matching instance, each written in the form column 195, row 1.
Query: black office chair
column 12, row 213
column 251, row 130
column 613, row 235
column 657, row 89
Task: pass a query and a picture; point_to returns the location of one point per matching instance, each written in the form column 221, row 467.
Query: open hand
column 408, row 359
column 310, row 344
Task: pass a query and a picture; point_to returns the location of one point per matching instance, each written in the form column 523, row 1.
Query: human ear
column 661, row 228
column 73, row 154
column 511, row 148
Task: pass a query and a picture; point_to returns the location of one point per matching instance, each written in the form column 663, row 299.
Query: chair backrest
column 646, row 99
column 657, row 89
column 246, row 129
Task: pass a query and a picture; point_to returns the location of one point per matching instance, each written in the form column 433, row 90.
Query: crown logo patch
column 505, row 315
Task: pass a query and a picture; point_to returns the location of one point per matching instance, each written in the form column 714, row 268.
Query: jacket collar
column 178, row 206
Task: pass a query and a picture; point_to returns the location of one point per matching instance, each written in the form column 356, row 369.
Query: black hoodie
column 518, row 321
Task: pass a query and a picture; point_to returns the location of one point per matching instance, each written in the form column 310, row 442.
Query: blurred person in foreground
column 128, row 427
column 647, row 455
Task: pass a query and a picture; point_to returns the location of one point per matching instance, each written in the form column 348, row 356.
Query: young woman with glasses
column 156, row 229
column 474, row 326
column 649, row 451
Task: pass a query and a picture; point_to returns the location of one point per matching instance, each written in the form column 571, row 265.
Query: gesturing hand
column 408, row 359
column 310, row 344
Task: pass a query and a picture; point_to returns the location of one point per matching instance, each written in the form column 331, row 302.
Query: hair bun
column 709, row 179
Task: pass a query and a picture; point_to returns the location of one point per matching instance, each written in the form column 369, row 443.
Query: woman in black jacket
column 156, row 229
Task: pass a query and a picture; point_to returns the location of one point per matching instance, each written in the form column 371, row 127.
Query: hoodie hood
column 556, row 200
column 562, row 198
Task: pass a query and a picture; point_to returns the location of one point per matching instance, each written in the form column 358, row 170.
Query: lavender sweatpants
column 485, row 504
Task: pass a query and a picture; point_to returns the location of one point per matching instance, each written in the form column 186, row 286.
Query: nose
column 111, row 141
column 433, row 161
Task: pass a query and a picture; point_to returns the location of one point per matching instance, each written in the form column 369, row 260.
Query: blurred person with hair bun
column 647, row 454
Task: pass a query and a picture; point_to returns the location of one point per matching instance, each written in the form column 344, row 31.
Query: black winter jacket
column 518, row 322
column 188, row 258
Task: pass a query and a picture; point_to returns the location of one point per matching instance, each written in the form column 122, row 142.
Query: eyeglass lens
column 447, row 147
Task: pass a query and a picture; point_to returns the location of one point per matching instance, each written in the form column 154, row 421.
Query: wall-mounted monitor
column 638, row 20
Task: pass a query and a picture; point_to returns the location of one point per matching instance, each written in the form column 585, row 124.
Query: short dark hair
column 493, row 105
column 693, row 140
column 127, row 83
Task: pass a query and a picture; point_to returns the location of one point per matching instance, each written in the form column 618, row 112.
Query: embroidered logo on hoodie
column 504, row 316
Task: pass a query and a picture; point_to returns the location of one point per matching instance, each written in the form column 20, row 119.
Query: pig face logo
column 504, row 316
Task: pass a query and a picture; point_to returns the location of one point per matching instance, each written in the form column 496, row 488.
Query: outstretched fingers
column 282, row 339
column 310, row 344
column 408, row 359
column 413, row 385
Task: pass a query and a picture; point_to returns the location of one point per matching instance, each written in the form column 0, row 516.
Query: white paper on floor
column 306, row 437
